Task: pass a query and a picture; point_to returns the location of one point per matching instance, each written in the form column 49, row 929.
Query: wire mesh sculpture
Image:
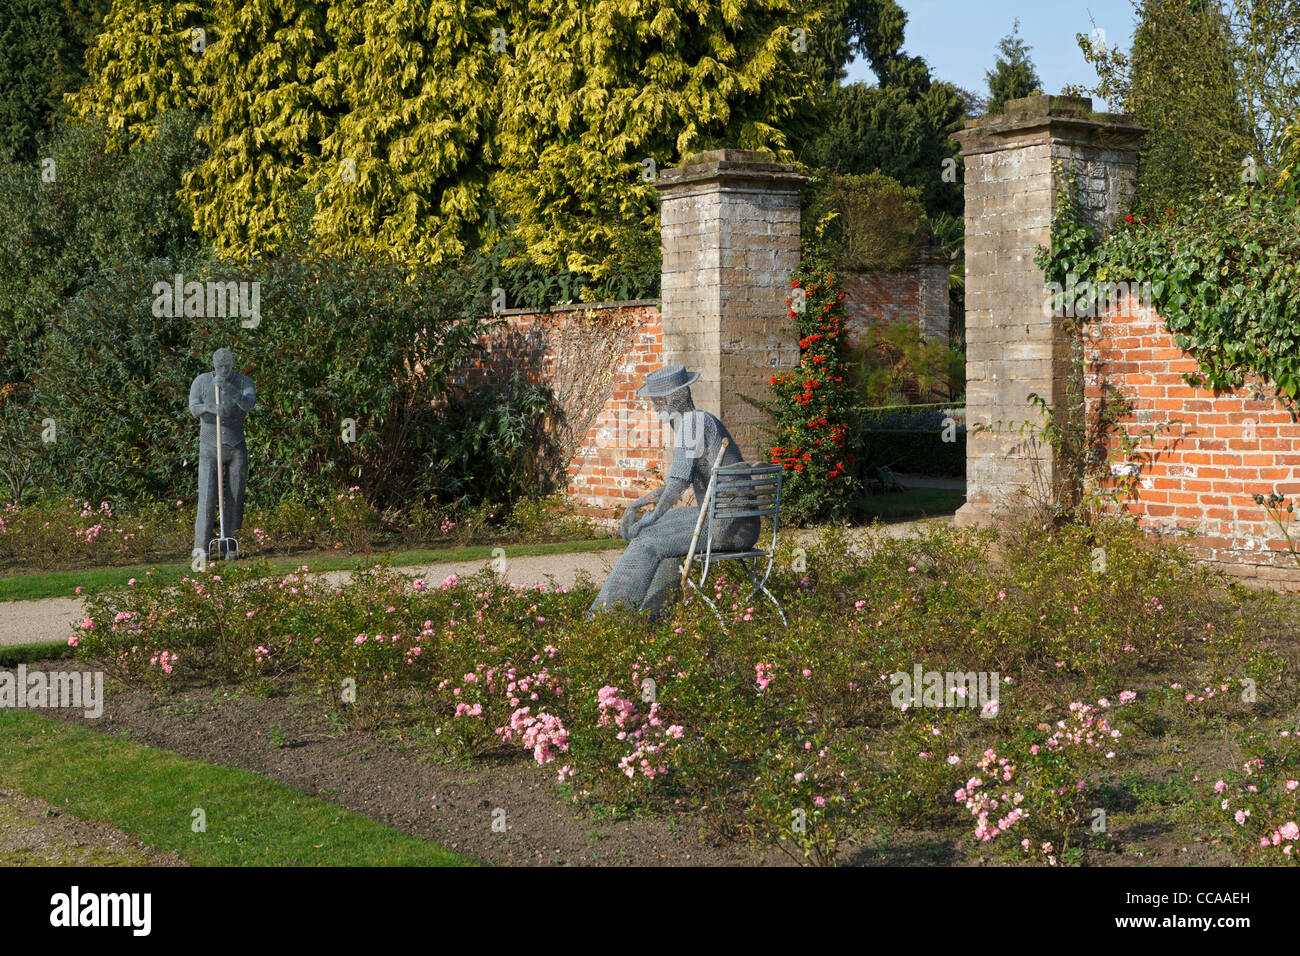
column 237, row 398
column 648, row 570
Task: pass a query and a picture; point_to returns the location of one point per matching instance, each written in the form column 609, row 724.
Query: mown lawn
column 152, row 796
column 912, row 503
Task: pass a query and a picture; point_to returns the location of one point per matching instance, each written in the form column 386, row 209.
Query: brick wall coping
column 585, row 307
column 930, row 256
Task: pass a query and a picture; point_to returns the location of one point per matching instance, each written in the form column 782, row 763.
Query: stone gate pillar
column 730, row 233
column 1014, row 165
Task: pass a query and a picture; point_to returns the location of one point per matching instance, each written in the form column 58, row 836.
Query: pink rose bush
column 1041, row 784
column 1263, row 801
column 782, row 735
column 994, row 801
column 646, row 733
column 53, row 533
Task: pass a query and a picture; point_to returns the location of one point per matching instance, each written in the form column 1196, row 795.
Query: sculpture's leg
column 238, row 472
column 207, row 510
column 667, row 577
column 630, row 582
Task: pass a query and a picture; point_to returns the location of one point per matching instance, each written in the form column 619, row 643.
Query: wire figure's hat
column 663, row 382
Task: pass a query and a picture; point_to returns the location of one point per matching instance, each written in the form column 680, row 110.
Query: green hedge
column 915, row 451
column 872, row 415
column 335, row 341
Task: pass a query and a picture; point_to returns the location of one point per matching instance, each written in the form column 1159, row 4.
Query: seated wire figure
column 649, row 568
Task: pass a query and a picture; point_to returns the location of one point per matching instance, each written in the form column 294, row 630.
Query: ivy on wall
column 1224, row 276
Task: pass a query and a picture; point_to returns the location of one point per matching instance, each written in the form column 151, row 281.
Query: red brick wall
column 881, row 299
column 878, row 300
column 1204, row 472
column 595, row 357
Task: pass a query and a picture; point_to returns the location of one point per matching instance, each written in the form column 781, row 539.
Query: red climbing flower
column 813, row 401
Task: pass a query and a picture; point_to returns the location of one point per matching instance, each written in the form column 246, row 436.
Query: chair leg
column 761, row 585
column 776, row 604
column 713, row 607
column 716, row 613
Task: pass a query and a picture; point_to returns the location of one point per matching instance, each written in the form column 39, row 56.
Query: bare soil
column 385, row 777
column 391, row 778
column 34, row 833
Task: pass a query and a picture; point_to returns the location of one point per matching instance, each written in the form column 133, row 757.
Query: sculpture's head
column 223, row 362
column 669, row 390
column 673, row 407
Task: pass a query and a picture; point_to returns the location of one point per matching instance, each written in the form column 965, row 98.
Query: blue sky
column 959, row 38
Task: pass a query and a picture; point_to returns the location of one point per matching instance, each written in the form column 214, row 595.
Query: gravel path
column 38, row 622
column 51, row 620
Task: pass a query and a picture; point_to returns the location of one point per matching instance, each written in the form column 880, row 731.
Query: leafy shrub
column 58, row 533
column 103, row 207
column 353, row 521
column 490, row 444
column 535, row 519
column 503, row 262
column 896, row 362
column 865, row 223
column 361, row 340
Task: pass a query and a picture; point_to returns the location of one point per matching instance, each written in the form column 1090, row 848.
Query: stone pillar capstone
column 730, row 234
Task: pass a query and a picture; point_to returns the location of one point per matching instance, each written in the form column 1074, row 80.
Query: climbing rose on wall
column 815, row 409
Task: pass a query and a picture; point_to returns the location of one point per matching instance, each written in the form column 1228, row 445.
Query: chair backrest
column 746, row 490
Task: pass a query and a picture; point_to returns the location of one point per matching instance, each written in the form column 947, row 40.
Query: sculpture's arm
column 198, row 407
column 668, row 496
column 632, row 513
column 246, row 397
column 689, row 442
column 236, row 399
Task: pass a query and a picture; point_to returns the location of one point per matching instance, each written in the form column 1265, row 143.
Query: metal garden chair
column 735, row 492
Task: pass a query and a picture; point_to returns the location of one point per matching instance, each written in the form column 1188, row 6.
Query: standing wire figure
column 237, row 399
column 648, row 570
